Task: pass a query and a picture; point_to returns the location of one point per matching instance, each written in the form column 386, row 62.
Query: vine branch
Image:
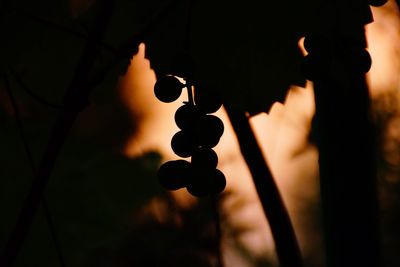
column 287, row 248
column 34, row 95
column 218, row 230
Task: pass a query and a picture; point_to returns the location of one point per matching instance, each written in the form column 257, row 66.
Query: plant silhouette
column 63, row 58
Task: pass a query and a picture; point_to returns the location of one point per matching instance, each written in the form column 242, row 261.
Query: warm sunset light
column 282, row 134
column 298, row 167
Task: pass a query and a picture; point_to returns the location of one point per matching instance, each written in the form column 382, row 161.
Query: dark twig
column 75, row 100
column 47, row 213
column 218, row 232
column 35, row 96
column 287, row 249
column 61, row 28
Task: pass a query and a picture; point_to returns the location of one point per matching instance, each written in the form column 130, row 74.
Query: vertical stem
column 287, row 249
column 218, row 232
column 347, row 171
column 190, row 92
column 347, row 162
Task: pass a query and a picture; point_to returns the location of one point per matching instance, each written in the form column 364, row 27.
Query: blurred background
column 104, row 198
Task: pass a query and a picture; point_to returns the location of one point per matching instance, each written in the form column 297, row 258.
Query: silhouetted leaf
column 248, row 53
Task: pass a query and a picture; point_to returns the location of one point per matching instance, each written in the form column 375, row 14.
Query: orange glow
column 282, row 134
column 384, row 45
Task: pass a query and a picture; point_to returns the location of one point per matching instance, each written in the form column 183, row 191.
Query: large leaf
column 247, row 52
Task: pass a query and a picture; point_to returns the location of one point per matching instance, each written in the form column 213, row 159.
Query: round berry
column 205, row 181
column 209, row 130
column 205, row 157
column 206, row 101
column 173, row 175
column 218, row 182
column 183, row 144
column 186, row 117
column 356, row 59
column 168, row 88
column 199, row 183
column 198, row 190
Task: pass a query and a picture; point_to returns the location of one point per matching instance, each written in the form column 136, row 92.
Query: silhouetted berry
column 356, row 59
column 198, row 190
column 205, row 157
column 186, row 117
column 218, row 182
column 199, row 183
column 205, row 181
column 209, row 130
column 184, row 144
column 168, row 89
column 173, row 175
column 206, row 101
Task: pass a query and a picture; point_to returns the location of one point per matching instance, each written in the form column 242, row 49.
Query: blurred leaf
column 92, row 194
column 43, row 42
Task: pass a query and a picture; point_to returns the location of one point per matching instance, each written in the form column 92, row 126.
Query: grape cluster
column 199, row 133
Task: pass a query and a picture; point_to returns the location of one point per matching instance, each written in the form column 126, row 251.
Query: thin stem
column 35, row 96
column 218, row 232
column 47, row 213
column 188, row 86
column 287, row 249
column 61, row 28
column 189, row 22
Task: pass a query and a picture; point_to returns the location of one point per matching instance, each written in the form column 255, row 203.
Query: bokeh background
column 106, row 204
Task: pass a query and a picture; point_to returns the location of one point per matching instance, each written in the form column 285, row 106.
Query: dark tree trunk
column 347, row 148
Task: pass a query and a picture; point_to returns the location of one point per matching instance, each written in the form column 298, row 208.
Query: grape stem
column 287, row 248
column 188, row 86
column 218, row 230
